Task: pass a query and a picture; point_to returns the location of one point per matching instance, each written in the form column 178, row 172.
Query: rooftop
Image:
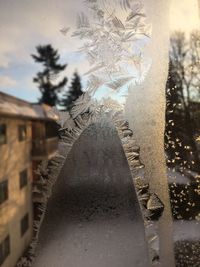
column 15, row 107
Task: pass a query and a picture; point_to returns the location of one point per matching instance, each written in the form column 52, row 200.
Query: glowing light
column 184, row 15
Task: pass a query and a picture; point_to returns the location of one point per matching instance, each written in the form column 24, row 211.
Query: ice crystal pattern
column 113, row 35
column 110, row 36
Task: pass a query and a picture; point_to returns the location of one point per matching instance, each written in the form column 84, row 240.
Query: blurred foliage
column 47, row 79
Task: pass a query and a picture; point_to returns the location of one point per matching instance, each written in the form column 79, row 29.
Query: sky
column 24, row 24
column 184, row 15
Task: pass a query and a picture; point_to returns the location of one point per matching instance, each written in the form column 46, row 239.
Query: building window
column 22, row 132
column 23, row 178
column 3, row 191
column 4, row 249
column 2, row 134
column 24, row 224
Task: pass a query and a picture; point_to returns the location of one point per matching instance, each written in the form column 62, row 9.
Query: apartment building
column 27, row 136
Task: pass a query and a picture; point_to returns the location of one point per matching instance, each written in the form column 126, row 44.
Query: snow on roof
column 12, row 106
column 42, row 111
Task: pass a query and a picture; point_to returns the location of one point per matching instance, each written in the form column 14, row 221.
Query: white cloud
column 25, row 24
column 6, row 81
column 4, row 61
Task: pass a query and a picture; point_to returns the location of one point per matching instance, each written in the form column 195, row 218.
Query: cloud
column 4, row 62
column 6, row 81
column 26, row 24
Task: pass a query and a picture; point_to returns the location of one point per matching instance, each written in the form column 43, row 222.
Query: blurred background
column 41, row 68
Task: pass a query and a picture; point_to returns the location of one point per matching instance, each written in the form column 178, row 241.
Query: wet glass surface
column 123, row 188
column 93, row 217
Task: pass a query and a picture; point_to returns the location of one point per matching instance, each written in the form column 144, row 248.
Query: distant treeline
column 49, row 80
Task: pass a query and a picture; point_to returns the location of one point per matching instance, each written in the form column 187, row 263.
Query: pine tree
column 74, row 92
column 180, row 124
column 48, row 57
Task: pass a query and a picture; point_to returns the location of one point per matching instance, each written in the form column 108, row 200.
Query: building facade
column 27, row 136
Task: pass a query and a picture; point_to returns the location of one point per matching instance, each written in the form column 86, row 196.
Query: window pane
column 3, row 191
column 1, row 254
column 6, row 246
column 4, row 249
column 23, row 178
column 22, row 132
column 2, row 134
column 24, row 224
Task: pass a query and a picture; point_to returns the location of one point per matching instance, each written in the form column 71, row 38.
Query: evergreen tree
column 73, row 93
column 48, row 57
column 183, row 82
